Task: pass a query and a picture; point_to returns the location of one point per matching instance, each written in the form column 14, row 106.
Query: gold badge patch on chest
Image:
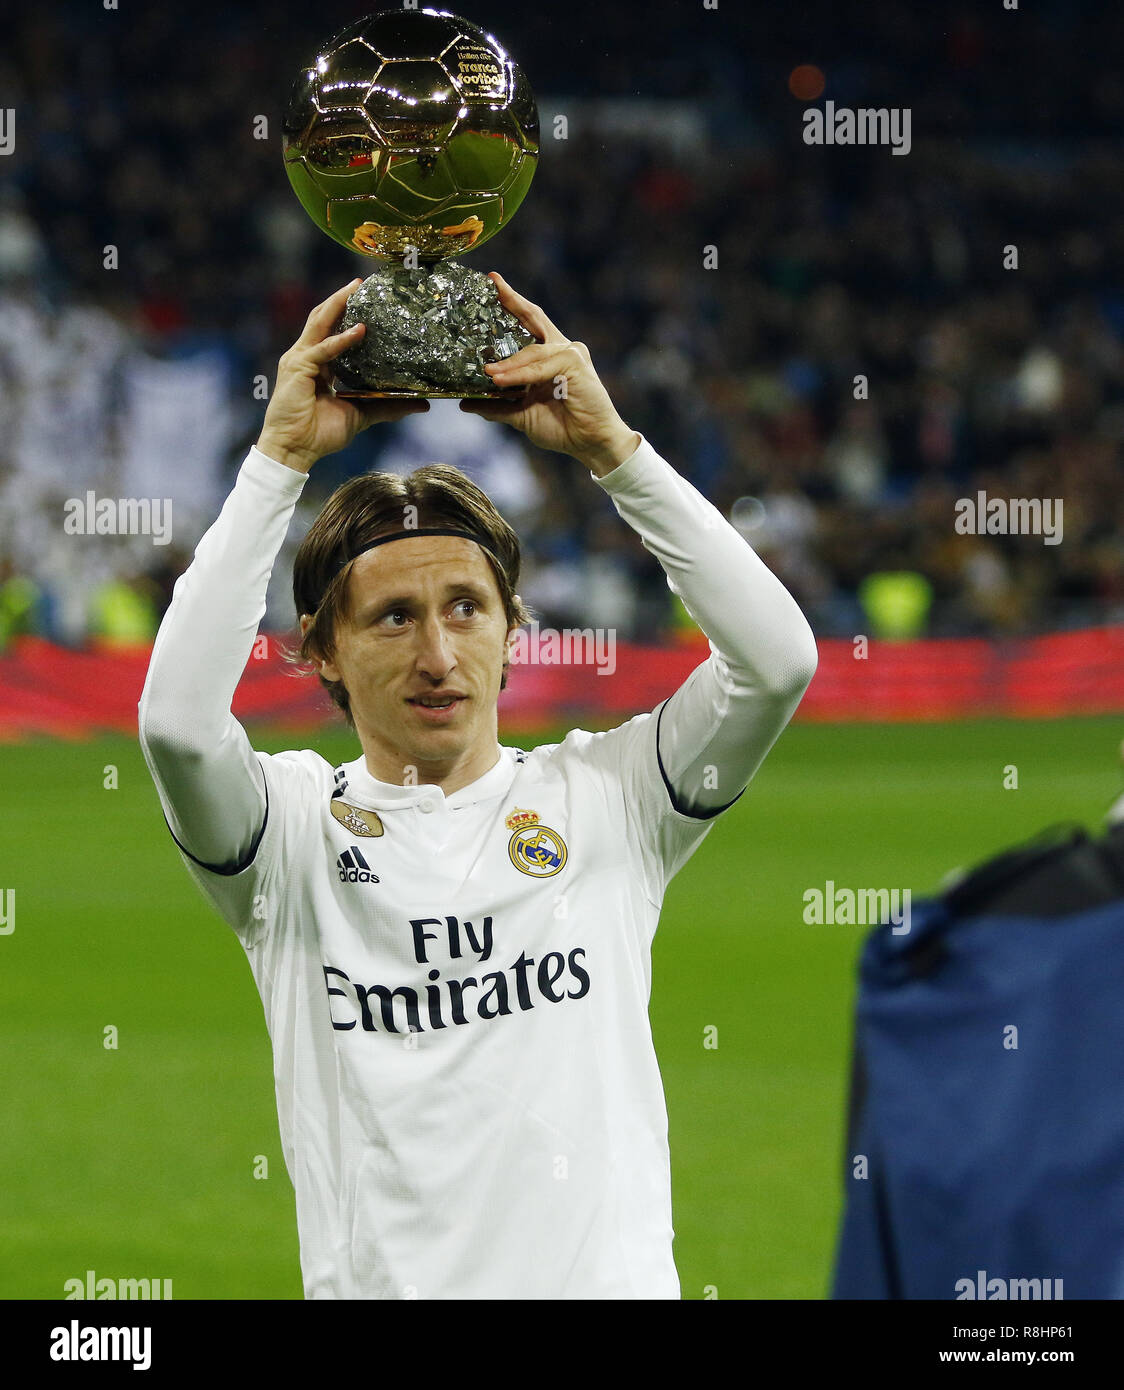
column 359, row 822
column 534, row 849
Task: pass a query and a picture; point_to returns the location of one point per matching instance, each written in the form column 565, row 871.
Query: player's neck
column 391, row 766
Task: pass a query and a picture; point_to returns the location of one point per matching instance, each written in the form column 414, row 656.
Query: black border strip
column 671, row 793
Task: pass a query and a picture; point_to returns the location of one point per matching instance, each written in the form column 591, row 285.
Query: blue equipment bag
column 987, row 1087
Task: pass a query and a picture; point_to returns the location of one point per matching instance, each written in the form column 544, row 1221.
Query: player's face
column 427, row 628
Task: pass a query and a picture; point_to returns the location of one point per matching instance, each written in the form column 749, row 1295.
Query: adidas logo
column 354, row 868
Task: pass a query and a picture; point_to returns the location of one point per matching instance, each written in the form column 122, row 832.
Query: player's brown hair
column 373, row 505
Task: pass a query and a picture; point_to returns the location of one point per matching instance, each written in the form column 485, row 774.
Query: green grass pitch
column 140, row 1161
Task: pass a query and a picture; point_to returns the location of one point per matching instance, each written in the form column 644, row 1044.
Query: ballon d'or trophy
column 412, row 138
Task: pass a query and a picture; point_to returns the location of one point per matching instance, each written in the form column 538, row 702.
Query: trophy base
column 511, row 393
column 430, row 332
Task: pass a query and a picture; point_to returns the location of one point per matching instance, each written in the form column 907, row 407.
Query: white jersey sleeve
column 695, row 754
column 212, row 785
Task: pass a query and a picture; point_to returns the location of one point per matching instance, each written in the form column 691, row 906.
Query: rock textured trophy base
column 430, row 332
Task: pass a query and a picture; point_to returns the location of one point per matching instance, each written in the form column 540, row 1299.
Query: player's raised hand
column 304, row 421
column 564, row 405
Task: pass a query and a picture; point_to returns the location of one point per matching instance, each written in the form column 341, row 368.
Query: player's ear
column 514, row 628
column 327, row 669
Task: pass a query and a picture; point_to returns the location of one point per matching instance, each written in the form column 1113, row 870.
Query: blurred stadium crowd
column 143, row 377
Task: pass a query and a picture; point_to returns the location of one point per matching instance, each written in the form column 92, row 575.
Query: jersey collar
column 367, row 791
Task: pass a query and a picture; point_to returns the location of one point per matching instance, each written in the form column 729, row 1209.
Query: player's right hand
column 304, row 421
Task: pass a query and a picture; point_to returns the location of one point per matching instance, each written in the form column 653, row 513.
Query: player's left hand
column 564, row 406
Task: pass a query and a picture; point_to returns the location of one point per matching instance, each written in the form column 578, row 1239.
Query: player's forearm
column 741, row 606
column 617, row 448
column 275, row 447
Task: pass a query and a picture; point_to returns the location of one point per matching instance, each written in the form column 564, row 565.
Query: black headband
column 480, row 540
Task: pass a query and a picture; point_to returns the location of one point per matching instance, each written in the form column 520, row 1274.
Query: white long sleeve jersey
column 456, row 986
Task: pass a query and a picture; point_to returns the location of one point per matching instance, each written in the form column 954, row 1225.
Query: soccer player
column 452, row 936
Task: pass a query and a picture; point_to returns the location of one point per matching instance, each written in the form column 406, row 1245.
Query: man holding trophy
column 451, row 936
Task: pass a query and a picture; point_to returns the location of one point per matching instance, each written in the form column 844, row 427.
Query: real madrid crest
column 534, row 849
column 357, row 821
